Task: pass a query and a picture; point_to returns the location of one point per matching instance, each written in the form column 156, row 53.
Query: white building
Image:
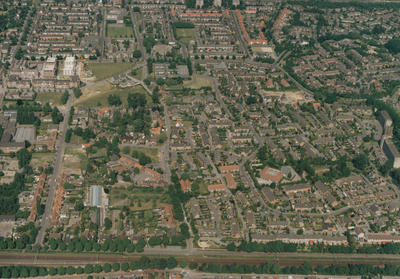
column 69, row 66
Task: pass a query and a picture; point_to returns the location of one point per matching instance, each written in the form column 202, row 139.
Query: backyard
column 106, row 70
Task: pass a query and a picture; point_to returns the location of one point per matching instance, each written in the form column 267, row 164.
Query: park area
column 119, row 31
column 97, row 96
column 53, row 98
column 185, row 35
column 103, row 71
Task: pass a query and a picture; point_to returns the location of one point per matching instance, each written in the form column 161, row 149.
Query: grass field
column 185, row 35
column 153, row 153
column 36, row 2
column 198, row 82
column 100, row 93
column 139, row 73
column 52, row 98
column 106, row 70
column 119, row 32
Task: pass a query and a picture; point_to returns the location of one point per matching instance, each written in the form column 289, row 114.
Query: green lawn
column 119, row 32
column 92, row 101
column 106, row 70
column 139, row 73
column 185, row 35
column 54, row 98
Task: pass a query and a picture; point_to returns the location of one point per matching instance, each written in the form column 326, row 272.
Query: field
column 198, row 82
column 100, row 93
column 119, row 32
column 153, row 153
column 106, row 70
column 139, row 73
column 52, row 98
column 185, row 35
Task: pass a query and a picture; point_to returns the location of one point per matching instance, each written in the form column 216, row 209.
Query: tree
column 136, row 99
column 162, row 138
column 300, row 231
column 114, row 100
column 88, row 269
column 106, row 267
column 61, row 271
column 124, row 266
column 360, row 161
column 231, row 246
column 52, row 271
column 70, row 270
column 169, row 101
column 137, row 54
column 65, row 97
column 33, row 272
column 107, row 223
column 182, row 263
column 97, row 268
column 115, row 266
column 165, row 239
column 130, row 248
column 171, row 263
column 148, row 216
column 24, row 273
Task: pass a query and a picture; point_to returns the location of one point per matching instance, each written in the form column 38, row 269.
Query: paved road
column 57, row 170
column 138, row 35
column 102, row 36
column 165, row 147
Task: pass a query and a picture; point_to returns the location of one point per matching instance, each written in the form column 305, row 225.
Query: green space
column 119, row 32
column 106, row 70
column 37, row 2
column 153, row 153
column 185, row 35
column 203, row 188
column 139, row 73
column 54, row 98
column 93, row 100
column 43, row 128
column 198, row 83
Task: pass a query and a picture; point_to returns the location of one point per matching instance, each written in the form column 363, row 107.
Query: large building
column 69, row 66
column 385, row 119
column 391, row 152
column 96, row 195
column 50, row 67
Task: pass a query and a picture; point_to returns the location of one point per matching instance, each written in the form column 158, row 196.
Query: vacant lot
column 198, row 82
column 74, row 158
column 38, row 159
column 92, row 96
column 106, row 70
column 52, row 98
column 185, row 35
column 119, row 32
